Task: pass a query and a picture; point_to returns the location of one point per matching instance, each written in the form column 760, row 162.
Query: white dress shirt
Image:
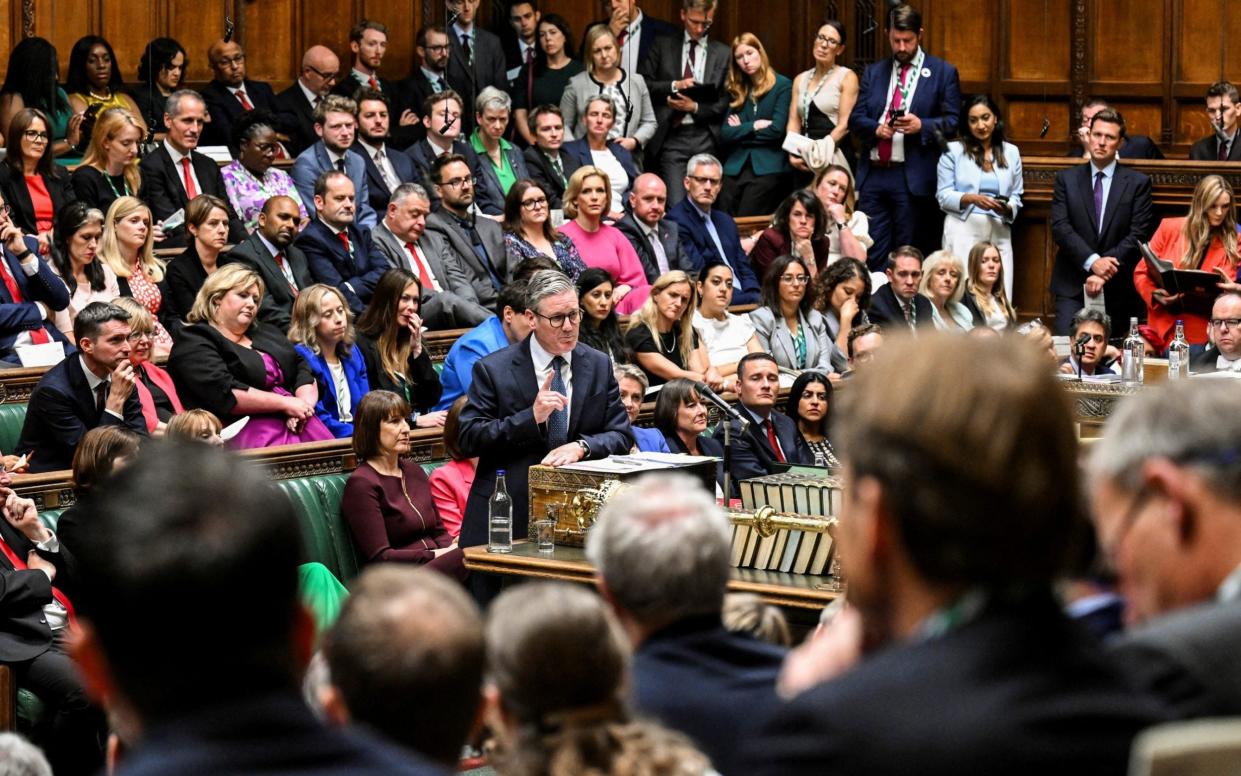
column 911, row 80
column 379, row 155
column 177, row 156
column 543, row 369
column 700, row 65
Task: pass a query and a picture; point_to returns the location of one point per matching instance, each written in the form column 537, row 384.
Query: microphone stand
column 1079, row 349
column 728, row 456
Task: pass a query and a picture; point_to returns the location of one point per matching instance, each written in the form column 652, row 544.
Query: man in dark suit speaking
column 1100, row 212
column 545, row 400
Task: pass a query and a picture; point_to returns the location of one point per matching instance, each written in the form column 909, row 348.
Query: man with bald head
column 269, row 250
column 320, row 71
column 654, row 237
column 231, row 94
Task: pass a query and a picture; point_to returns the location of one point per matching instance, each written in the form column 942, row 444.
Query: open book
column 1199, row 286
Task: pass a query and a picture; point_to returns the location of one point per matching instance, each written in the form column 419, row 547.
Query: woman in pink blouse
column 587, row 198
column 450, row 483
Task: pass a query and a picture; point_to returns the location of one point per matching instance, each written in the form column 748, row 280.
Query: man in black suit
column 320, row 70
column 687, row 127
column 898, row 302
column 661, row 552
column 230, row 93
column 635, row 31
column 477, row 243
column 655, row 238
column 476, row 57
column 386, row 168
column 94, row 387
column 1224, row 108
column 1131, row 147
column 338, row 252
column 771, row 437
column 521, row 46
column 429, row 77
column 548, row 167
column 270, row 251
column 959, row 657
column 1224, row 332
column 29, row 292
column 1100, row 212
column 174, row 173
column 192, row 624
column 1168, row 516
column 368, row 40
column 442, row 117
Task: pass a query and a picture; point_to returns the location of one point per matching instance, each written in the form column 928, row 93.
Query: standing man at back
column 907, row 104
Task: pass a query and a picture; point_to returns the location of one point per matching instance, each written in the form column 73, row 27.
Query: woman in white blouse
column 726, row 336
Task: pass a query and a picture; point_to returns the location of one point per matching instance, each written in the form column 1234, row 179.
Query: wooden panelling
column 1127, row 37
column 1023, row 119
column 1204, row 27
column 1192, row 122
column 272, row 50
column 403, row 19
column 965, row 34
column 62, row 22
column 1028, row 39
column 1141, row 118
column 328, row 24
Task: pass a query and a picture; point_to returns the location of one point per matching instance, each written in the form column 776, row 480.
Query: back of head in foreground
column 557, row 664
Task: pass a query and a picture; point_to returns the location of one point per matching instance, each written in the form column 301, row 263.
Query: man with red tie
column 338, row 251
column 29, row 291
column 906, row 105
column 448, row 299
column 269, row 250
column 230, row 93
column 368, row 40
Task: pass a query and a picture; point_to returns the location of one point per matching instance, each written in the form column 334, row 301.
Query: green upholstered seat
column 317, row 503
column 12, row 416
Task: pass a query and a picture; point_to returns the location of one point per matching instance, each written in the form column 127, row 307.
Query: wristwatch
column 585, row 448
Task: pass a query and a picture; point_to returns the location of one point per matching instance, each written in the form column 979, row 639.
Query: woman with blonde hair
column 756, row 167
column 321, row 330
column 662, row 334
column 848, row 229
column 587, row 199
column 943, row 283
column 1206, row 240
column 126, row 248
column 196, row 425
column 985, row 297
column 634, row 118
column 109, row 170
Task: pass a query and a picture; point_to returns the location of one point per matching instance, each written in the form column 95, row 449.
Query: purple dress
column 270, row 430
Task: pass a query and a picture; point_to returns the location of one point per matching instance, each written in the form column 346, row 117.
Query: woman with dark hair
column 321, row 330
column 109, row 170
column 250, row 179
column 206, row 222
column 390, row 338
column 726, row 336
column 980, row 185
column 94, row 79
column 787, row 325
column 600, row 327
column 34, row 186
column 681, row 414
column 823, row 98
column 842, row 294
column 809, row 405
column 387, row 500
column 798, row 229
column 756, row 168
column 75, row 244
column 555, row 63
column 528, row 230
column 30, row 81
column 848, row 230
column 161, row 70
column 101, row 452
column 450, row 483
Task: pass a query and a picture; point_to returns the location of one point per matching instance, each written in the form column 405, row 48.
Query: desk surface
column 569, row 564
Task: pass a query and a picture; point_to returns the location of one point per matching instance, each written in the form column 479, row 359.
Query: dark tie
column 885, row 145
column 558, row 169
column 620, row 39
column 558, row 422
column 530, row 76
column 911, row 317
column 1223, row 150
column 439, row 85
column 775, row 443
column 688, row 72
column 101, row 397
column 1098, row 198
column 465, row 49
column 340, row 165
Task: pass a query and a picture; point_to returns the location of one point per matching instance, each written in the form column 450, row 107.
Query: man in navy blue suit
column 29, row 291
column 897, row 303
column 905, row 107
column 386, row 168
column 231, row 94
column 336, row 125
column 772, row 437
column 661, row 550
column 338, row 251
column 709, row 236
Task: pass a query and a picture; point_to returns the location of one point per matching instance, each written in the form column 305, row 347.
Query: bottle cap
column 499, row 472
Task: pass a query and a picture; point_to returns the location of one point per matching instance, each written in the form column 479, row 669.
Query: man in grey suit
column 448, row 300
column 1167, row 505
column 475, row 57
column 336, row 125
column 269, row 250
column 476, row 241
column 655, row 238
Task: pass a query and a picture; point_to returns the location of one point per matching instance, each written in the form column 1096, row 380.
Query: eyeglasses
column 826, row 41
column 795, row 279
column 702, row 24
column 236, row 59
column 701, row 181
column 457, row 183
column 34, row 135
column 138, row 336
column 534, row 204
column 558, row 321
column 323, row 75
column 1226, row 323
column 437, row 49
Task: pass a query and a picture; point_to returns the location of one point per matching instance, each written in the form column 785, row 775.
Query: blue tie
column 558, row 422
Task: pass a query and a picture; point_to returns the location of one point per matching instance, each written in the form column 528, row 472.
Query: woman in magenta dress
column 229, row 363
column 587, row 199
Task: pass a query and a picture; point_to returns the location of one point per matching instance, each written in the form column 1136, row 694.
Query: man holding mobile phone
column 905, row 105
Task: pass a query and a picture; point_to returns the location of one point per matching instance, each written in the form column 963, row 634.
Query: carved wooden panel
column 1205, row 28
column 328, row 24
column 403, row 19
column 1191, row 122
column 1128, row 41
column 273, row 53
column 64, row 21
column 196, row 25
column 963, row 33
column 1141, row 118
column 1023, row 119
column 1036, row 35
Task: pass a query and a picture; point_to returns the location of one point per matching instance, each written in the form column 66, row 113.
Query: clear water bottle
column 1178, row 355
column 500, row 518
column 1134, row 356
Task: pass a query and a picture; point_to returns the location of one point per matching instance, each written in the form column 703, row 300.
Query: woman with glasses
column 33, row 185
column 75, row 244
column 161, row 71
column 554, row 65
column 633, row 117
column 109, row 170
column 756, row 171
column 250, row 179
column 156, row 390
column 94, row 79
column 787, row 325
column 587, row 199
column 662, row 334
column 943, row 282
column 798, row 229
column 528, row 230
column 823, row 98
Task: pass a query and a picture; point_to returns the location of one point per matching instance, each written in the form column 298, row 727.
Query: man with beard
column 385, row 168
column 428, row 78
column 477, row 243
column 336, row 126
column 269, row 250
column 339, row 252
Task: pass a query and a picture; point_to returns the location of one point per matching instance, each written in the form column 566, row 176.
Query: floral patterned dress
column 248, row 193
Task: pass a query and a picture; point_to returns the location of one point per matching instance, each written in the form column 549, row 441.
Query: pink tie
column 885, row 145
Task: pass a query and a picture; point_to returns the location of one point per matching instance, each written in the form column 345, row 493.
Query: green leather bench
column 12, row 416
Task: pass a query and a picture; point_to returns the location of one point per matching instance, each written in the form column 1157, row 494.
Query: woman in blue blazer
column 979, row 185
column 322, row 331
column 756, row 166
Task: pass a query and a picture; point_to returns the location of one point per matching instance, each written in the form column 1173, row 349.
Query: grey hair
column 406, row 190
column 19, row 757
column 633, row 373
column 604, row 98
column 172, row 106
column 662, row 547
column 698, row 160
column 1195, row 423
column 492, row 97
column 545, row 283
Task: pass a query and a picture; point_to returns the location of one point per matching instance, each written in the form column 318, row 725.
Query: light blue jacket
column 958, row 175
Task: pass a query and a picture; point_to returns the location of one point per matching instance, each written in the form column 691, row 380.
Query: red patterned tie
column 37, row 336
column 424, row 275
column 885, row 145
column 283, row 271
column 344, row 239
column 373, row 83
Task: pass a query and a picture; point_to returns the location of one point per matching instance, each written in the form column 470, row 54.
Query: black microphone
column 1081, row 341
column 705, row 392
column 1046, row 126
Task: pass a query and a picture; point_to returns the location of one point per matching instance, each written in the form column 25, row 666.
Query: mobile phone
column 896, row 115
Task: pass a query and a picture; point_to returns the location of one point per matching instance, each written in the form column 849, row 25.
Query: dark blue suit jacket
column 715, row 686
column 937, row 101
column 498, row 425
column 330, row 263
column 314, row 161
column 752, row 455
column 488, row 200
column 701, row 248
column 327, row 408
column 43, row 286
column 886, row 311
column 376, row 188
column 579, row 150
